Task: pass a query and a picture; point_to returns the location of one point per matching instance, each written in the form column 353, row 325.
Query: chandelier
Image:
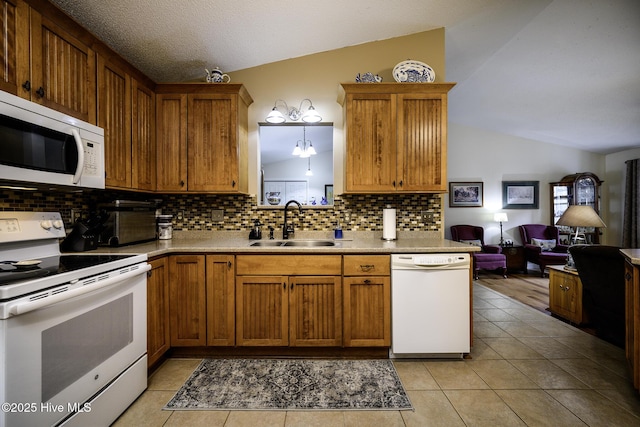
column 304, row 148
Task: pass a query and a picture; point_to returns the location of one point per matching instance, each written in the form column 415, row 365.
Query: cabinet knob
column 27, row 86
column 400, row 183
column 627, row 276
column 149, row 273
column 367, row 281
column 233, row 184
column 181, row 183
column 229, row 264
column 40, row 92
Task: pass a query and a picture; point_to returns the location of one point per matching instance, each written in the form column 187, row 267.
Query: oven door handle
column 26, row 307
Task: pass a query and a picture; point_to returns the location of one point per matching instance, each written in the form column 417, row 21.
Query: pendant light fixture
column 304, row 148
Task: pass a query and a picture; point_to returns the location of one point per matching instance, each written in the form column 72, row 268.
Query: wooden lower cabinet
column 296, row 301
column 187, row 300
column 367, row 301
column 158, row 338
column 565, row 294
column 632, row 316
column 220, row 277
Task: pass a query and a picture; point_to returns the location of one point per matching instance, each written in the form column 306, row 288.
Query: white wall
column 614, row 182
column 480, row 155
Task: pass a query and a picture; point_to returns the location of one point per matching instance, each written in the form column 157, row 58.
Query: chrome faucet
column 288, row 229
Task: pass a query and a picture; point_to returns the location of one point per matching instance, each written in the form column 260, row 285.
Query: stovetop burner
column 51, row 266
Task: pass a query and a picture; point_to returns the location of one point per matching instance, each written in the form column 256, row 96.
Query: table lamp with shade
column 579, row 216
column 500, row 217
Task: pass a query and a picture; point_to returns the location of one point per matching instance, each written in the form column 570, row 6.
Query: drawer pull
column 367, row 267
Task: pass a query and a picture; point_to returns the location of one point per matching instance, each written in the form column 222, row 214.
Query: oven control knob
column 58, row 224
column 46, row 224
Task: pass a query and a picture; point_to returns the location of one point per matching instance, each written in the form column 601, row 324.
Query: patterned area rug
column 241, row 384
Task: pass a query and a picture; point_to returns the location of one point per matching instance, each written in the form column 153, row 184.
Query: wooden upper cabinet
column 62, row 71
column 202, row 137
column 114, row 115
column 211, row 123
column 396, row 137
column 171, row 156
column 371, row 144
column 143, row 137
column 14, row 44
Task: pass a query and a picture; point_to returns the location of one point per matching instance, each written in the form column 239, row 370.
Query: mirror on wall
column 285, row 176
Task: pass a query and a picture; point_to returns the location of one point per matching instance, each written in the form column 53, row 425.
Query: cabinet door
column 315, row 305
column 421, row 143
column 63, row 70
column 371, row 143
column 187, row 300
column 114, row 115
column 171, row 123
column 14, row 40
column 143, row 137
column 262, row 311
column 220, row 300
column 212, row 143
column 158, row 338
column 367, row 311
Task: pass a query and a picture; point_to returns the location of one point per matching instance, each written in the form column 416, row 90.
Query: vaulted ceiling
column 557, row 71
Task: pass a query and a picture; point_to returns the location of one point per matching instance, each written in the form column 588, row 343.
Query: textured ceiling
column 557, row 71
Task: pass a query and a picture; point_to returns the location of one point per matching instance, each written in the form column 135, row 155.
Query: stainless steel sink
column 298, row 243
column 269, row 243
column 309, row 243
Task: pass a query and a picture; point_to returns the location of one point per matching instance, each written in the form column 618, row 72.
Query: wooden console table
column 565, row 294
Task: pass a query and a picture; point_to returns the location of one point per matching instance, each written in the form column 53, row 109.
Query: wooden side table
column 565, row 294
column 515, row 258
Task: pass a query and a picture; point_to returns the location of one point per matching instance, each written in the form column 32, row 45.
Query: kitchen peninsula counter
column 238, row 242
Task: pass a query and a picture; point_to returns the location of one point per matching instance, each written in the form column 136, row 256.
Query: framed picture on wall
column 465, row 194
column 520, row 194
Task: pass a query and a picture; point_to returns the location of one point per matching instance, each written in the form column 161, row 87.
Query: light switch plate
column 427, row 217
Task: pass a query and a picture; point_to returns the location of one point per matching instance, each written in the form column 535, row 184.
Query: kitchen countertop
column 633, row 255
column 238, row 243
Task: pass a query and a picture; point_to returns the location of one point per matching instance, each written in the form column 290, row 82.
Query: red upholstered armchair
column 491, row 256
column 541, row 245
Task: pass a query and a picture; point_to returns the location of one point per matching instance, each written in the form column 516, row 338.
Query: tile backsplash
column 193, row 212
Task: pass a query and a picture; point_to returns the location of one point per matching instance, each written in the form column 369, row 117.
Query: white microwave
column 42, row 147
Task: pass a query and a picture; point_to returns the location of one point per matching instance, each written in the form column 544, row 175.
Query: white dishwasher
column 430, row 305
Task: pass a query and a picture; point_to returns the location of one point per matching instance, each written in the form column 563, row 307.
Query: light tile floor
column 527, row 369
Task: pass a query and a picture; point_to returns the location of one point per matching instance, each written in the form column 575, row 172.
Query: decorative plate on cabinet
column 410, row 71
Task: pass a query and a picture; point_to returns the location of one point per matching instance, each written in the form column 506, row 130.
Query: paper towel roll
column 389, row 224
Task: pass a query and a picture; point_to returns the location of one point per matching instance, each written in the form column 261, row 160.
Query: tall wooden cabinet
column 202, row 137
column 396, row 137
column 576, row 189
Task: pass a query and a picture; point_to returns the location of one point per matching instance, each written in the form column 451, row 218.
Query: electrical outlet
column 217, row 215
column 427, row 217
column 75, row 215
